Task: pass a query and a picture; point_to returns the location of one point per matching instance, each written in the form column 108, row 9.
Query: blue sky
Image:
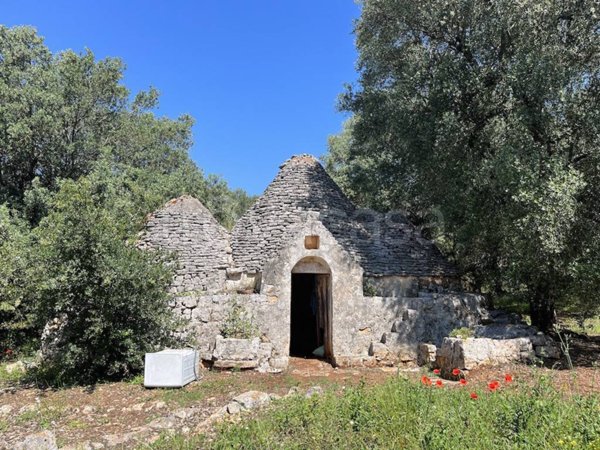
column 260, row 77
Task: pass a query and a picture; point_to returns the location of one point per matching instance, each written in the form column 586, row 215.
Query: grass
column 12, row 378
column 77, row 424
column 44, row 416
column 220, row 386
column 137, row 380
column 168, row 441
column 407, row 415
column 194, row 393
column 591, row 327
column 463, row 332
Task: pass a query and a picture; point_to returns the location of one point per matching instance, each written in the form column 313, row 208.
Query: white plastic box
column 170, row 368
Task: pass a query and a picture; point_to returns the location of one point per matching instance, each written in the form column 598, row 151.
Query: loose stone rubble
column 38, row 441
column 505, row 340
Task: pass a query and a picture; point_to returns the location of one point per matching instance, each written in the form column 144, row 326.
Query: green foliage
column 169, row 441
column 401, row 414
column 239, row 323
column 589, row 326
column 485, row 116
column 369, row 289
column 462, row 333
column 61, row 114
column 15, row 313
column 81, row 165
column 55, row 110
column 112, row 295
column 11, row 378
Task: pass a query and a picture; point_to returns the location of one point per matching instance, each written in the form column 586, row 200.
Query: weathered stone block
column 265, row 349
column 474, row 352
column 189, row 302
column 39, row 441
column 201, row 314
column 379, row 351
column 253, row 399
column 235, row 364
column 279, row 362
column 236, row 353
column 548, row 351
column 426, row 354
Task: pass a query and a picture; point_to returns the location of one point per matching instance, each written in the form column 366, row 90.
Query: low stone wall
column 207, row 314
column 470, row 353
column 398, row 325
column 370, row 330
column 406, row 286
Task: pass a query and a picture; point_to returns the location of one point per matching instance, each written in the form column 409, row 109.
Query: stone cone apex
column 187, row 204
column 187, row 228
column 302, row 188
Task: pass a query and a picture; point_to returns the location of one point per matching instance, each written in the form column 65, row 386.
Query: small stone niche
column 311, row 242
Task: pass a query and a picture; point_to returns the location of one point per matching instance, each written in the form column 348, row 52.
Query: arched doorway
column 311, row 310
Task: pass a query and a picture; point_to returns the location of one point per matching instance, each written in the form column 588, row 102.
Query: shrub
column 111, row 297
column 15, row 310
column 239, row 323
column 462, row 333
column 369, row 289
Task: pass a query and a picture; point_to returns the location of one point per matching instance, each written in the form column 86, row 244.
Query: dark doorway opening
column 311, row 315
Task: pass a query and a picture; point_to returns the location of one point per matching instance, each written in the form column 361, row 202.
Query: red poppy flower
column 436, row 371
column 508, row 378
column 439, row 383
column 474, row 396
column 455, row 372
column 493, row 385
column 462, row 381
column 426, row 380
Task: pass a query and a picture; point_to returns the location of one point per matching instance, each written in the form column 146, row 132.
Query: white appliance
column 170, row 368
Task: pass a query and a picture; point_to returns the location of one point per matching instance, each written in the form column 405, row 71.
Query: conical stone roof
column 382, row 245
column 185, row 226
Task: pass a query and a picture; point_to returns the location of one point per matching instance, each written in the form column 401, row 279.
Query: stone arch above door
column 312, row 264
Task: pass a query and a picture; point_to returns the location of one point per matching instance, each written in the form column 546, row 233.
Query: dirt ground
column 84, row 413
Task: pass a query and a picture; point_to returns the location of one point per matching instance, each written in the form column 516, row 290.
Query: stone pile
column 427, row 318
column 504, row 339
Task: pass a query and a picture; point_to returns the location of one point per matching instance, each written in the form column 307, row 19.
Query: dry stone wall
column 206, row 315
column 402, row 323
column 361, row 250
column 186, row 227
column 381, row 244
column 394, row 326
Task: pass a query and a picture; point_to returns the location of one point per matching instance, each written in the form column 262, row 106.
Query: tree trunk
column 541, row 308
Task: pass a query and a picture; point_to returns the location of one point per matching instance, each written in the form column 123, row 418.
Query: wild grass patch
column 403, row 414
column 176, row 442
column 196, row 392
column 10, row 378
column 590, row 326
column 44, row 416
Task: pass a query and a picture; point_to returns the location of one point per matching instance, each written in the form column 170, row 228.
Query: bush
column 111, row 297
column 462, row 333
column 15, row 311
column 239, row 323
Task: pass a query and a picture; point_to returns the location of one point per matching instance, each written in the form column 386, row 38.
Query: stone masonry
column 389, row 290
column 186, row 227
